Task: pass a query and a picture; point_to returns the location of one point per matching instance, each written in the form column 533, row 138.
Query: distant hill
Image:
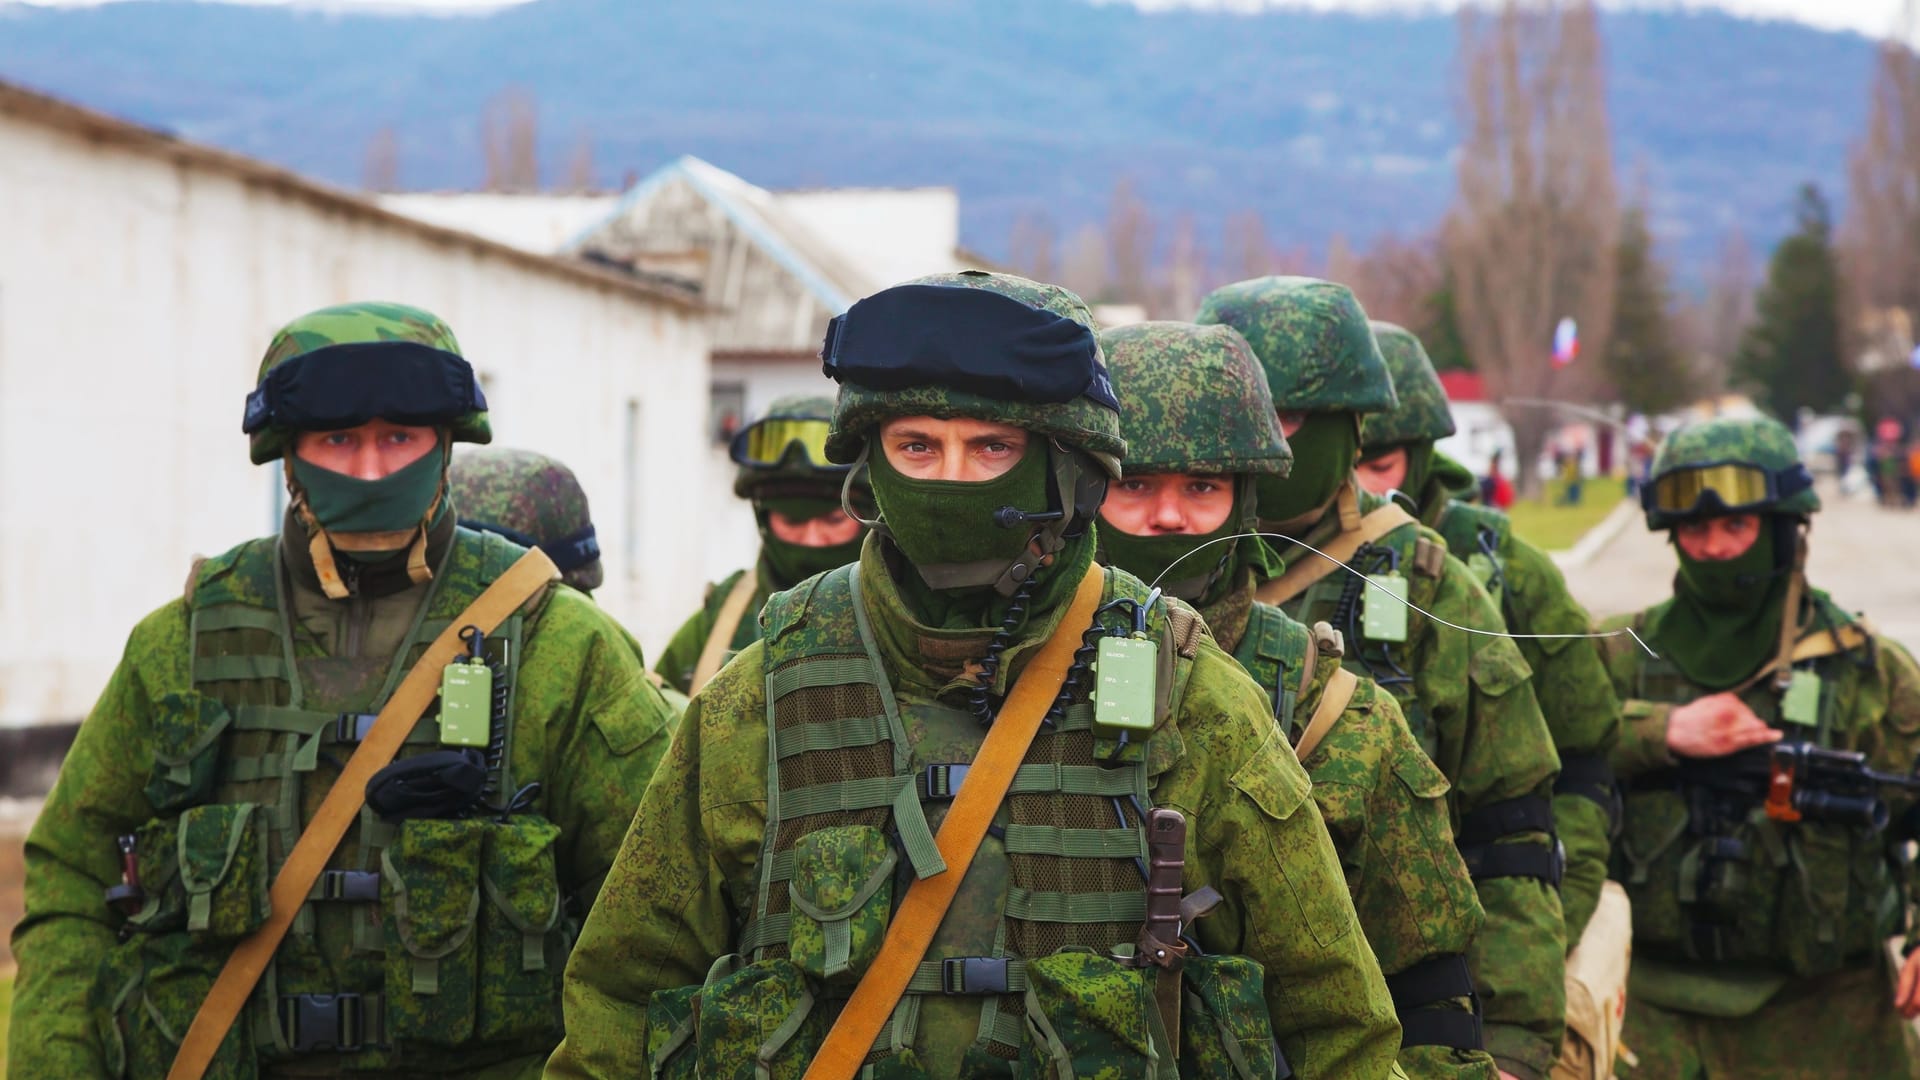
column 1323, row 122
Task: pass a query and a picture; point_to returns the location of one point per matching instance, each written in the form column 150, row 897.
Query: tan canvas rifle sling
column 1306, row 568
column 988, row 779
column 725, row 622
column 342, row 804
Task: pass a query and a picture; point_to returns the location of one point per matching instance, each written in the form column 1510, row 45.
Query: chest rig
column 1715, row 880
column 1063, row 866
column 387, row 965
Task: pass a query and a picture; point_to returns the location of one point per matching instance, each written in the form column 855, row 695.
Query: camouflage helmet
column 791, row 450
column 1727, row 465
column 1083, row 422
column 1193, row 399
column 1313, row 339
column 532, row 500
column 1422, row 414
column 356, row 362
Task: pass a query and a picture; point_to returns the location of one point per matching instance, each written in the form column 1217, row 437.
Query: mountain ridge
column 1325, row 123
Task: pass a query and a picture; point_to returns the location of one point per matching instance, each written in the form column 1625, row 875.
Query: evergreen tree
column 1643, row 361
column 1791, row 354
column 1441, row 332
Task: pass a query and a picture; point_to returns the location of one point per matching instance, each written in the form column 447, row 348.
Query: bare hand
column 1505, row 1075
column 1906, row 995
column 1715, row 726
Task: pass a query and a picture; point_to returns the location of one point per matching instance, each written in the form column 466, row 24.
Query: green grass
column 1557, row 528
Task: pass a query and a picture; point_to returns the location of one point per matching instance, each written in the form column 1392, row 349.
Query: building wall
column 137, row 293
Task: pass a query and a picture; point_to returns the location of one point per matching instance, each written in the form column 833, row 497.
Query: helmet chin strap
column 322, row 542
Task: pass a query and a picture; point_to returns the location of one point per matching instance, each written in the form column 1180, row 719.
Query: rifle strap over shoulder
column 1333, row 701
column 725, row 624
column 341, row 807
column 1309, row 567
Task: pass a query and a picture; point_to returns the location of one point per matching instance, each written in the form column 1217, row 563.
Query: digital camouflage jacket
column 1568, row 678
column 1469, row 701
column 683, row 894
column 1385, row 803
column 197, row 751
column 1729, row 904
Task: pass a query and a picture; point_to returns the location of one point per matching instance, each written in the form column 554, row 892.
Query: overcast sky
column 1873, row 17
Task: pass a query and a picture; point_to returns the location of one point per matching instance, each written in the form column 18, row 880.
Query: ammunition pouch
column 841, row 894
column 1225, row 1028
column 1093, row 1015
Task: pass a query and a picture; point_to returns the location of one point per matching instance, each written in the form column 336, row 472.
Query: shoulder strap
column 341, row 807
column 1333, row 702
column 714, row 652
column 928, row 898
column 1844, row 638
column 1310, row 567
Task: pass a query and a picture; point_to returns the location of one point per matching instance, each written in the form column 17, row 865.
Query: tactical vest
column 1714, row 880
column 852, row 770
column 1338, row 599
column 434, row 943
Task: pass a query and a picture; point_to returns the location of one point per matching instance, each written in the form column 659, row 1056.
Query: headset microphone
column 1009, row 517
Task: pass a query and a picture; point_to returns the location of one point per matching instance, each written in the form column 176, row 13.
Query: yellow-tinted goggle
column 765, row 443
column 1733, row 485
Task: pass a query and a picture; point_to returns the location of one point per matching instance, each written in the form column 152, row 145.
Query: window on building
column 726, row 410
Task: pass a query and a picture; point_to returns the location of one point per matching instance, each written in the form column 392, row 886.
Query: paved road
column 1867, row 557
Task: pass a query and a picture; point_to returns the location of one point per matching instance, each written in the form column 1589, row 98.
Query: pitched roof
column 33, row 107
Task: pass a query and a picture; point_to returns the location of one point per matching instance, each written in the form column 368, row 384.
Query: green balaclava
column 390, row 506
column 787, row 565
column 1202, row 578
column 920, row 513
column 1323, row 455
column 1724, row 619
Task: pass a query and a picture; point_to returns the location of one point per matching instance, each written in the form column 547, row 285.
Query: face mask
column 1324, row 452
column 790, row 564
column 943, row 522
column 1733, row 585
column 1148, row 557
column 394, row 503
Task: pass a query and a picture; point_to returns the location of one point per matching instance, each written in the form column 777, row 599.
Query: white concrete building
column 140, row 279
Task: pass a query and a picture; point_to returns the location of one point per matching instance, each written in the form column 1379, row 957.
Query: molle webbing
column 280, row 731
column 838, row 756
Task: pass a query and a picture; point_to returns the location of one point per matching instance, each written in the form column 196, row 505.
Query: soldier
column 532, row 500
column 761, row 886
column 419, row 920
column 803, row 531
column 1763, row 887
column 1466, row 695
column 1397, row 454
column 1200, row 431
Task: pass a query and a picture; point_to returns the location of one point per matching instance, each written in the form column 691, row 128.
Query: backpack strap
column 1334, row 554
column 725, row 624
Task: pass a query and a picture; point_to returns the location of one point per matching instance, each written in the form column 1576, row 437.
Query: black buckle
column 942, row 781
column 350, row 886
column 316, row 1023
column 973, row 975
column 351, row 727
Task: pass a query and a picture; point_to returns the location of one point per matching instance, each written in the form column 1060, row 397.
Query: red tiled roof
column 1463, row 385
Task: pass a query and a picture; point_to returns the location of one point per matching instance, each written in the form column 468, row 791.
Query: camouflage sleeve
column 683, row 878
column 1494, row 746
column 682, row 653
column 1260, row 840
column 605, row 726
column 71, row 859
column 1897, row 680
column 1642, row 746
column 1582, row 713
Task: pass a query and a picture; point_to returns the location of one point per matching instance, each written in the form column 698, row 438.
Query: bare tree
column 1030, row 246
column 580, row 166
column 1244, row 250
column 380, row 171
column 509, row 136
column 1187, row 274
column 1880, row 241
column 1396, row 280
column 1130, row 243
column 1342, row 264
column 1083, row 268
column 1716, row 328
column 1531, row 238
